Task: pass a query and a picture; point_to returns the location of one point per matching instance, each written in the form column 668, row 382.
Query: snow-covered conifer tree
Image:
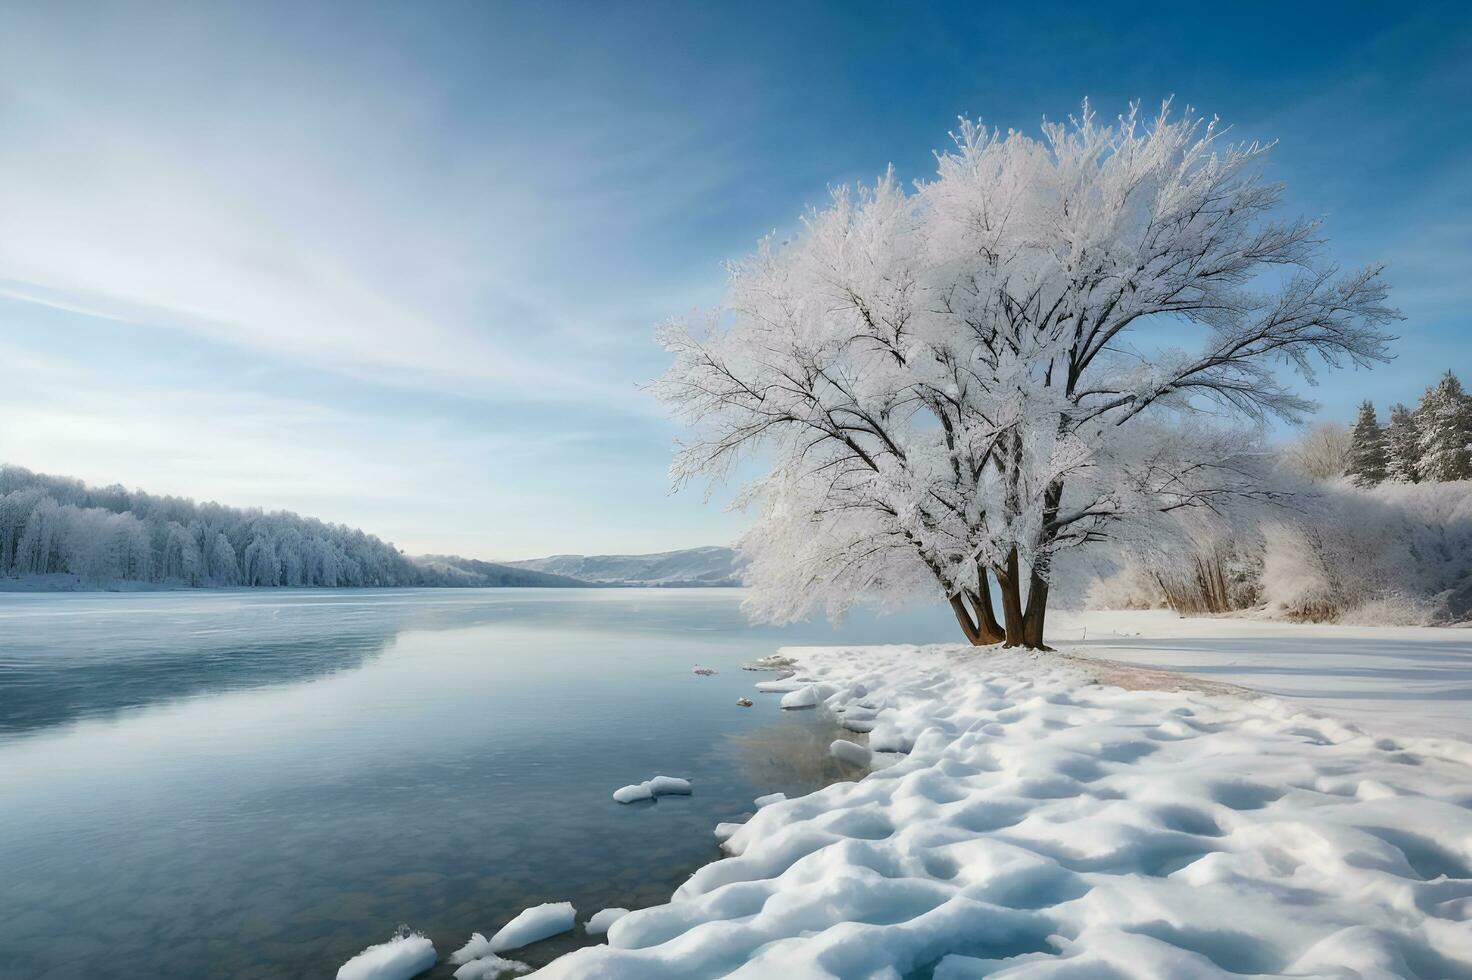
column 1444, row 418
column 953, row 386
column 1402, row 446
column 1367, row 460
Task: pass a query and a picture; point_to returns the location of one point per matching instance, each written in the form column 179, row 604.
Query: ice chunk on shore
column 773, row 661
column 803, row 697
column 781, row 686
column 650, row 788
column 404, row 956
column 490, row 967
column 534, row 925
column 530, row 926
column 599, row 923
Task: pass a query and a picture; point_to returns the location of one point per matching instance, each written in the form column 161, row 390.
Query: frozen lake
column 261, row 784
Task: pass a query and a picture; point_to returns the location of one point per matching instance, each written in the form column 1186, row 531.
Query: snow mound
column 851, row 752
column 599, row 923
column 769, row 799
column 404, row 956
column 530, row 926
column 650, row 788
column 1035, row 824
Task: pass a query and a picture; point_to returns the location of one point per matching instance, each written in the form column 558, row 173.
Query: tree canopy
column 1047, row 344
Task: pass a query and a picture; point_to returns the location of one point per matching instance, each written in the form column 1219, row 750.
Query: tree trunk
column 986, row 617
column 1037, row 612
column 1009, row 580
column 968, row 626
column 983, row 614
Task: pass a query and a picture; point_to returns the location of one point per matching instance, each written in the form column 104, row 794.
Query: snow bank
column 599, row 923
column 1029, row 822
column 650, row 788
column 404, row 956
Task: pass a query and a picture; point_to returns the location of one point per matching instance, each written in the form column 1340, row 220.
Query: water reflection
column 793, row 751
column 261, row 786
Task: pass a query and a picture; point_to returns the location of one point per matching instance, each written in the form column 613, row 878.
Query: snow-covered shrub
column 1393, row 554
column 1194, row 561
column 1132, row 585
column 1363, row 551
column 1322, row 452
column 1297, row 573
column 1401, row 610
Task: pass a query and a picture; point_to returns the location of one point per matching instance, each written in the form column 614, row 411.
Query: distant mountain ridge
column 690, row 567
column 453, row 571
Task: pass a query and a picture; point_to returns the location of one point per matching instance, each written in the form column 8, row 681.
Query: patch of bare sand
column 1112, row 673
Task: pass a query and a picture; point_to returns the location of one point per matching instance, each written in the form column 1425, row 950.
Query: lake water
column 261, row 784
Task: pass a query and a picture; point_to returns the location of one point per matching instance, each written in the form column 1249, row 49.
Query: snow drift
column 1024, row 821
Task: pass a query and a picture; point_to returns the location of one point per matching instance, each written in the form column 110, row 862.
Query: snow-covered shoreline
column 1024, row 819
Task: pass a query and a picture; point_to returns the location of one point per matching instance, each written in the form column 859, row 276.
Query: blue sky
column 399, row 265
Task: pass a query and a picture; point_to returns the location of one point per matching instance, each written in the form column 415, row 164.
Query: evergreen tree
column 1367, row 458
column 1445, row 420
column 1403, row 446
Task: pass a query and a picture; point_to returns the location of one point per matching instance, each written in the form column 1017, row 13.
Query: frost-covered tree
column 1367, row 458
column 1028, row 353
column 1444, row 418
column 1402, row 446
column 1321, row 452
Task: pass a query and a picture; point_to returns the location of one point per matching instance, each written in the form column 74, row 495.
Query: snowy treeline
column 1381, row 532
column 1431, row 444
column 51, row 524
column 1396, row 553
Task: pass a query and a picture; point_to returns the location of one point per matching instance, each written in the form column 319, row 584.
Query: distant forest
column 52, row 525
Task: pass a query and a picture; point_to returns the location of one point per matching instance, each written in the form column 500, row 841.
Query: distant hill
column 57, row 533
column 709, row 566
column 452, row 570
